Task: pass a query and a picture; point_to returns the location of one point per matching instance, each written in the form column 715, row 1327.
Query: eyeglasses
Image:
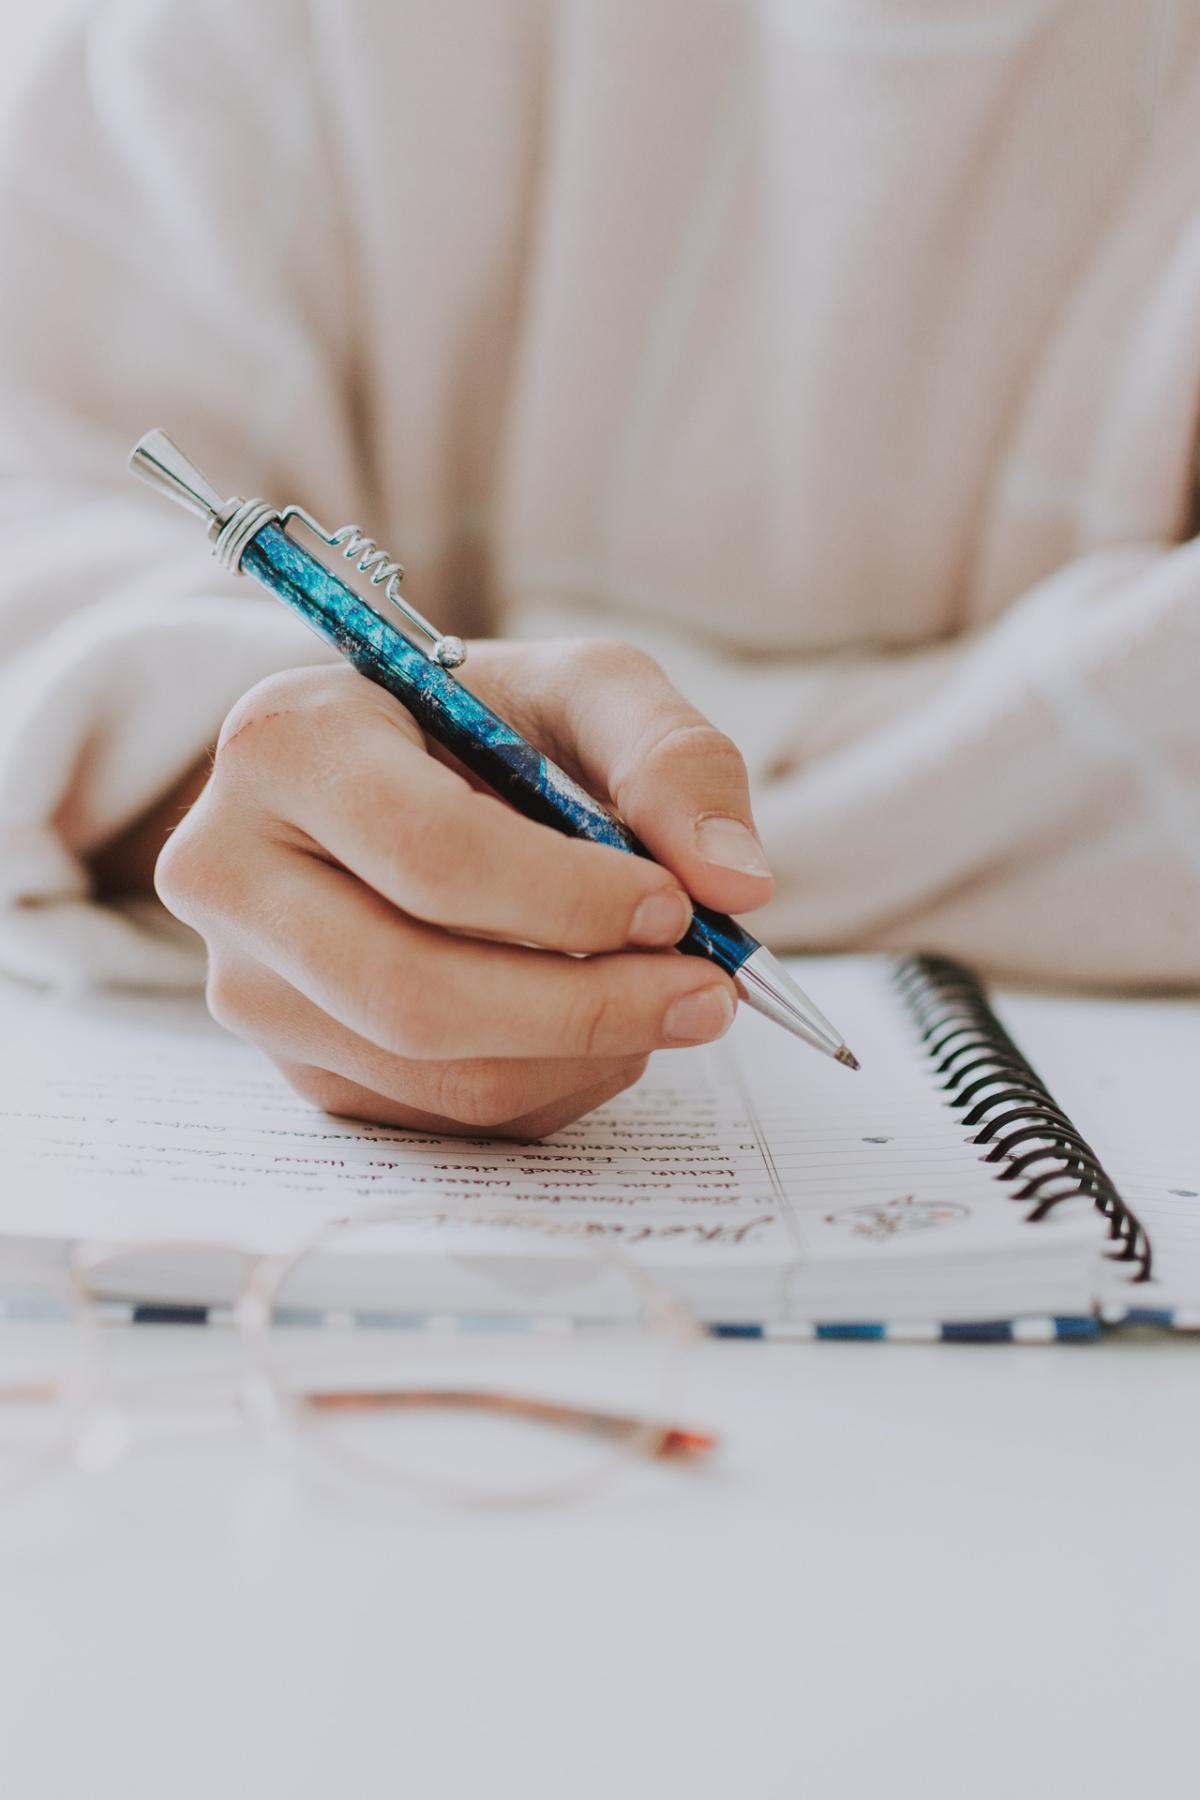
column 471, row 1355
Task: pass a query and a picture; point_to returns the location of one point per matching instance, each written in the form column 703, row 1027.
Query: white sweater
column 845, row 352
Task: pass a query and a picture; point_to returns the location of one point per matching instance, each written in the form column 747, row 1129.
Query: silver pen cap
column 162, row 465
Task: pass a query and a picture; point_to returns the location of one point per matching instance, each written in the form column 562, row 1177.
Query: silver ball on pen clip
column 450, row 652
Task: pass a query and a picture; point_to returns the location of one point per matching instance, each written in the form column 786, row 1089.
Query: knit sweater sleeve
column 1031, row 801
column 165, row 192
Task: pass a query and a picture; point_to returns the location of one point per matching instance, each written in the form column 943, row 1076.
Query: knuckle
column 590, row 918
column 545, row 1120
column 268, row 714
column 170, row 872
column 265, row 703
column 609, row 658
column 187, row 873
column 401, row 1020
column 668, row 745
column 595, row 1021
column 691, row 739
column 319, row 1087
column 479, row 1094
column 225, row 994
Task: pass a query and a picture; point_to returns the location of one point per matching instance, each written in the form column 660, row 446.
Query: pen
column 251, row 537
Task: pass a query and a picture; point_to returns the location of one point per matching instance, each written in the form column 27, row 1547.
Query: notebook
column 1025, row 1168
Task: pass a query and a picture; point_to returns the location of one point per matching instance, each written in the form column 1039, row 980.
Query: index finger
column 414, row 831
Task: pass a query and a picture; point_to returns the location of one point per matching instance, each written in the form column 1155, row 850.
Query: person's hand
column 407, row 948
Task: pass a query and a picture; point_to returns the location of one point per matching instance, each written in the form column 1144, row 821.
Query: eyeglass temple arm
column 22, row 1392
column 668, row 1440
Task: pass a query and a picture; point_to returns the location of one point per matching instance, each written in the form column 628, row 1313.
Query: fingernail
column 700, row 1017
column 661, row 918
column 730, row 844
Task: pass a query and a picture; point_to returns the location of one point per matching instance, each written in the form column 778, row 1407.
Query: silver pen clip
column 232, row 523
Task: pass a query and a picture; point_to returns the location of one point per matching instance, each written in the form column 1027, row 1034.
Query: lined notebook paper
column 763, row 1182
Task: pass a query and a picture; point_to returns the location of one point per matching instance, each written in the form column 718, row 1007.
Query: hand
column 410, row 950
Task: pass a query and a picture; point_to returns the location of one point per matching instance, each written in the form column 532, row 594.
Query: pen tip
column 847, row 1056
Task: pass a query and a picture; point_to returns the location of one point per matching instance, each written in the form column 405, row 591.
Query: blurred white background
column 24, row 30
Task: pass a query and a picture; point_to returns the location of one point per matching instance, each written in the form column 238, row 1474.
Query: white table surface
column 919, row 1570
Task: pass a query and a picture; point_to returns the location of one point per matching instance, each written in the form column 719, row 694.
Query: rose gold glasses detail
column 475, row 1357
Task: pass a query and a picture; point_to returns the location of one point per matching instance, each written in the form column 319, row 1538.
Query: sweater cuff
column 97, row 723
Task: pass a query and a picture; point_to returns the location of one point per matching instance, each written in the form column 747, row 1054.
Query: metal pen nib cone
column 765, row 984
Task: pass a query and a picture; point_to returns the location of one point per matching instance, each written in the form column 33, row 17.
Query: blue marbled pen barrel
column 454, row 716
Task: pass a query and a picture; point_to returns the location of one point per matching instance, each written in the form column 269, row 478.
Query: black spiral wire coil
column 1007, row 1106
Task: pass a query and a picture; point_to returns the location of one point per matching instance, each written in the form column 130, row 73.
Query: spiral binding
column 1009, row 1108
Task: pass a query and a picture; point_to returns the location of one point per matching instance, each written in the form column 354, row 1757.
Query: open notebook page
column 1127, row 1073
column 772, row 1181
